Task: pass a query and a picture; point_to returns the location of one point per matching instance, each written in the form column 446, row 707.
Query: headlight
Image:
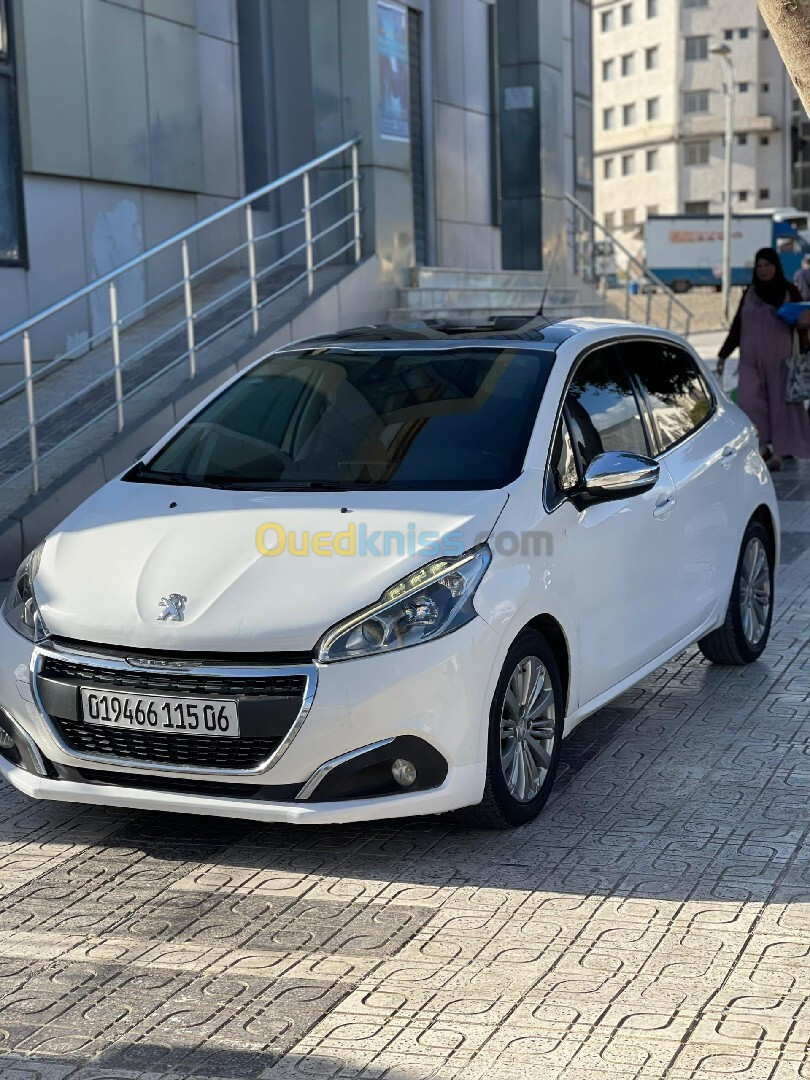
column 432, row 601
column 20, row 609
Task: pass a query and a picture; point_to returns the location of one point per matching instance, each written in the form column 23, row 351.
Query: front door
column 621, row 554
column 698, row 445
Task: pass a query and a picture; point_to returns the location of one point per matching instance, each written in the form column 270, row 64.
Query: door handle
column 664, row 507
column 729, row 454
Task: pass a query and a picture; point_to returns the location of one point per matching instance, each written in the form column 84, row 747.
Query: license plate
column 148, row 712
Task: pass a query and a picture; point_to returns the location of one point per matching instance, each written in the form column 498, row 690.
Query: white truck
column 686, row 250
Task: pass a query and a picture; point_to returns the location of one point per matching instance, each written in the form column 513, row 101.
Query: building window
column 744, row 32
column 697, row 153
column 695, row 3
column 652, row 58
column 699, row 207
column 743, row 87
column 610, row 220
column 766, row 88
column 742, row 140
column 764, row 140
column 628, row 219
column 608, row 119
column 607, row 168
column 652, row 211
column 742, row 196
column 628, row 115
column 608, row 70
column 653, row 108
column 607, row 21
column 696, row 101
column 628, row 164
column 652, row 160
column 697, row 48
column 728, row 35
column 628, row 65
column 652, row 9
column 12, row 227
column 627, row 14
column 764, row 193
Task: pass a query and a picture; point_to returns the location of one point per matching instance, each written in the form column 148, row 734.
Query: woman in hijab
column 765, row 342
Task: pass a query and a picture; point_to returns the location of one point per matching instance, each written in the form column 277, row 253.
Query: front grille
column 268, row 706
column 156, row 747
column 154, row 682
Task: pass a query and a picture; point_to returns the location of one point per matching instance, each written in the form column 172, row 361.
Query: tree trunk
column 789, row 24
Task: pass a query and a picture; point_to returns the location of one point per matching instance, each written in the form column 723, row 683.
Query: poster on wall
column 392, row 22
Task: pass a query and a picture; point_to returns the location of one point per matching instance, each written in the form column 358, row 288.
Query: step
column 474, row 315
column 432, row 277
column 479, row 297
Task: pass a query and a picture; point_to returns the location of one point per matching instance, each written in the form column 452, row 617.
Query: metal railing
column 658, row 301
column 259, row 281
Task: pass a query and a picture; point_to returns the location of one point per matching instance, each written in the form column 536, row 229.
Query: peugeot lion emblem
column 173, row 608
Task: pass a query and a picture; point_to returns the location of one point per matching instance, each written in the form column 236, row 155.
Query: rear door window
column 677, row 395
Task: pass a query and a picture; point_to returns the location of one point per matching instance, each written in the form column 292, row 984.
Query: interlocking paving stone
column 655, row 922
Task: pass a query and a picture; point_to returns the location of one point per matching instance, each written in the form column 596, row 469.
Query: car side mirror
column 616, row 475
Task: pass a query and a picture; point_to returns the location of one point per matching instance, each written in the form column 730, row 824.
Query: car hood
column 106, row 570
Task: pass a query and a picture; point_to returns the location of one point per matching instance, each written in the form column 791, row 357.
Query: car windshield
column 337, row 418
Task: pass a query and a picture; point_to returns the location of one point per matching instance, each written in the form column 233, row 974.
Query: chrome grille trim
column 228, row 671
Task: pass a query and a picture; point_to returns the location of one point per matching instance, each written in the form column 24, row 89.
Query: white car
column 385, row 573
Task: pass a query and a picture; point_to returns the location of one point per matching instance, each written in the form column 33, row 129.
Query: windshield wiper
column 302, row 485
column 140, row 475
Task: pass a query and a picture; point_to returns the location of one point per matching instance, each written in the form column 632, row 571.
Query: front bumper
column 438, row 693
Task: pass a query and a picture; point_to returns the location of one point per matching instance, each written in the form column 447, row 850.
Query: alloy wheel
column 755, row 591
column 527, row 729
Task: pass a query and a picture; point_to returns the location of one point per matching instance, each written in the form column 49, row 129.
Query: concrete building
column 659, row 110
column 123, row 121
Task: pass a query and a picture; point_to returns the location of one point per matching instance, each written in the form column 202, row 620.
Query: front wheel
column 744, row 634
column 525, row 734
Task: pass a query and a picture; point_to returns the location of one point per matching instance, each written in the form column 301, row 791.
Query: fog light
column 6, row 741
column 404, row 772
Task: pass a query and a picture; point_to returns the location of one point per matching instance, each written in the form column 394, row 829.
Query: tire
column 500, row 808
column 738, row 641
column 681, row 285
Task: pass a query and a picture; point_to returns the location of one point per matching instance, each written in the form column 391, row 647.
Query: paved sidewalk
column 655, row 922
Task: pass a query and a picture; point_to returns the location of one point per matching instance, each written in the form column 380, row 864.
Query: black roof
column 499, row 328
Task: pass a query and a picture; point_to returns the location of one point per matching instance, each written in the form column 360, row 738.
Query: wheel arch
column 763, row 515
column 554, row 634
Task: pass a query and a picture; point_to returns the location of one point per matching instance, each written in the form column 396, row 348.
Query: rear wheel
column 525, row 733
column 744, row 634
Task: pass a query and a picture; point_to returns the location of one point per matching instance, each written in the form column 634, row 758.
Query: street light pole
column 724, row 53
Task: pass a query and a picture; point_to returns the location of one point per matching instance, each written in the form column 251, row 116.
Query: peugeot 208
column 385, row 573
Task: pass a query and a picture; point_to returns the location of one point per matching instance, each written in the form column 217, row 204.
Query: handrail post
column 669, row 312
column 648, row 317
column 308, row 235
column 192, row 353
column 254, row 285
column 356, row 200
column 115, row 330
column 29, row 402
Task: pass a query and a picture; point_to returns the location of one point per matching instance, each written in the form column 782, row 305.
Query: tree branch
column 789, row 24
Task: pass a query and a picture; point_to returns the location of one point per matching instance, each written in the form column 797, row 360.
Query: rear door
column 698, row 445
